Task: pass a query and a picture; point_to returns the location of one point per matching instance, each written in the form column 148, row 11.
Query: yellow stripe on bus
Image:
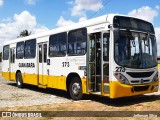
column 159, row 66
column 6, row 75
column 58, row 82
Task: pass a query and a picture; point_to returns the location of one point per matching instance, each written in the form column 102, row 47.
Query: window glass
column 106, row 47
column 133, row 23
column 6, row 52
column 20, row 50
column 12, row 55
column 77, row 42
column 135, row 50
column 57, row 45
column 30, row 49
column 40, row 53
column 45, row 52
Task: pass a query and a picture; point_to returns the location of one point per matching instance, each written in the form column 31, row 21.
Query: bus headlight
column 121, row 78
column 155, row 78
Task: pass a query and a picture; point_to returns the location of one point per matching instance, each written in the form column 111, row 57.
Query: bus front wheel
column 19, row 80
column 75, row 89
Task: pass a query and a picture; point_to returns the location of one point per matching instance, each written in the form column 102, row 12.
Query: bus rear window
column 6, row 52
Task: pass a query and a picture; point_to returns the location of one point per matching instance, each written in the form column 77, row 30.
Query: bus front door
column 105, row 63
column 98, row 63
column 42, row 69
column 94, row 63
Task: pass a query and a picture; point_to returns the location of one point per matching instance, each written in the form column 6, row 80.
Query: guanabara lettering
column 27, row 65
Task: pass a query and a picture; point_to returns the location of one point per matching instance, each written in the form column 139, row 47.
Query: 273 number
column 120, row 69
column 65, row 64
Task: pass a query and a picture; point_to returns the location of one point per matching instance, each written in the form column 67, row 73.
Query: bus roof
column 108, row 18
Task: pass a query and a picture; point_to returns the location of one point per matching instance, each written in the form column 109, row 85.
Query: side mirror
column 116, row 25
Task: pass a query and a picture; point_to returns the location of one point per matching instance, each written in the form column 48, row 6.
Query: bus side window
column 58, row 45
column 45, row 52
column 12, row 55
column 30, row 49
column 20, row 50
column 40, row 53
column 77, row 42
column 6, row 52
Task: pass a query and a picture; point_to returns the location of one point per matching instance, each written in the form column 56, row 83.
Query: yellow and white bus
column 111, row 55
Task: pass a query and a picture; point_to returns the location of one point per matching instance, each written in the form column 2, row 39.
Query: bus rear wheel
column 75, row 89
column 19, row 80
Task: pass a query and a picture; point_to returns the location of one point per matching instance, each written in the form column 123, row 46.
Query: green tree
column 24, row 33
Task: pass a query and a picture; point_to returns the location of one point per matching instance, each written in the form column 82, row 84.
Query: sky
column 42, row 15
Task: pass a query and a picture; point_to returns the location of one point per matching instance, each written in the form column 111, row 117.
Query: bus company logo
column 27, row 65
column 6, row 114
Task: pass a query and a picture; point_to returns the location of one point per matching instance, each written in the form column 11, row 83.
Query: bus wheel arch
column 74, row 86
column 19, row 80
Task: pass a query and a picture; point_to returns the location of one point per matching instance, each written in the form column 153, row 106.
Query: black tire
column 75, row 89
column 19, row 80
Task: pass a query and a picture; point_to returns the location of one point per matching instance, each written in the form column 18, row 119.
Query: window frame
column 60, row 44
column 28, row 57
column 8, row 52
column 75, row 42
column 23, row 50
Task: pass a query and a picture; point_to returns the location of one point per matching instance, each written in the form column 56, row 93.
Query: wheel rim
column 76, row 88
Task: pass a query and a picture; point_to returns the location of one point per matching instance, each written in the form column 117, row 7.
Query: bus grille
column 140, row 88
column 140, row 74
column 140, row 82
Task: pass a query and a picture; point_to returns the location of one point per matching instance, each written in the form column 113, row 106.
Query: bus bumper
column 122, row 90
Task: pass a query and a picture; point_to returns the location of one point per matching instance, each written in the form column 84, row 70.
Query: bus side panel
column 30, row 78
column 78, row 65
column 28, row 70
column 57, row 72
column 52, row 82
column 5, row 69
column 13, row 76
column 84, row 85
column 6, row 75
column 62, row 83
column 159, row 70
column 58, row 82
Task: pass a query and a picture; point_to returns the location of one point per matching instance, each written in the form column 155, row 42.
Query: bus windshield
column 135, row 49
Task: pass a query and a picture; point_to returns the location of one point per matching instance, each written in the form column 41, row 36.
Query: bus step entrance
column 96, row 83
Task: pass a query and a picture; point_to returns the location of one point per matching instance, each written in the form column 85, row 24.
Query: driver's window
column 146, row 44
column 150, row 46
